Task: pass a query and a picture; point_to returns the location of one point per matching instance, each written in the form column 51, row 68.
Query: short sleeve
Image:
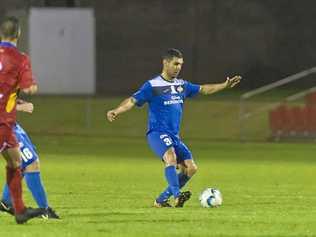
column 191, row 89
column 26, row 75
column 143, row 95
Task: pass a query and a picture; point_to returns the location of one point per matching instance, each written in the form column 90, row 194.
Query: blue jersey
column 165, row 100
column 28, row 150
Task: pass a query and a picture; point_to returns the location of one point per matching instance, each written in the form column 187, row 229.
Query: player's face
column 173, row 66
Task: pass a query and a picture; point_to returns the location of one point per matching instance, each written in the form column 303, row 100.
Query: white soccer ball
column 211, row 197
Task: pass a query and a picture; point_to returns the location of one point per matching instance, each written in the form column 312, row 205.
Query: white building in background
column 62, row 49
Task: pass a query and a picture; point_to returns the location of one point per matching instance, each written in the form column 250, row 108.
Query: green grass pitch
column 106, row 186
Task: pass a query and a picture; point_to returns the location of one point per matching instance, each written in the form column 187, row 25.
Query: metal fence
column 255, row 117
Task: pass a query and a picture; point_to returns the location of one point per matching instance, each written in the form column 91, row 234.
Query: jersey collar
column 166, row 79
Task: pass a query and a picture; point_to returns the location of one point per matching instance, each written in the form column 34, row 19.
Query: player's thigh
column 12, row 156
column 7, row 138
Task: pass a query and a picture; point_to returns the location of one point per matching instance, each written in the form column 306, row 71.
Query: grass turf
column 106, row 186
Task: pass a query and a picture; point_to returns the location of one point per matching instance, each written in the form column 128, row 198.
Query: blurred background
column 88, row 55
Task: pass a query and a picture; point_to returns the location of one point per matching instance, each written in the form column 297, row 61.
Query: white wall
column 62, row 49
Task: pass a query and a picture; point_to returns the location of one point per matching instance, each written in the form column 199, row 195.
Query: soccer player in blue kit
column 165, row 95
column 30, row 168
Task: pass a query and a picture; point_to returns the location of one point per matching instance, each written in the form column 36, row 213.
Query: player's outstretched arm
column 126, row 105
column 208, row 89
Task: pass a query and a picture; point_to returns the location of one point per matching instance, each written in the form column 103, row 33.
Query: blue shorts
column 28, row 150
column 160, row 142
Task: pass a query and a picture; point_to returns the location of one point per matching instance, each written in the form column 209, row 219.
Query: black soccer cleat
column 162, row 204
column 50, row 214
column 183, row 197
column 6, row 208
column 28, row 214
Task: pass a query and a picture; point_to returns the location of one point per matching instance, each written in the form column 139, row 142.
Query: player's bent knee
column 14, row 164
column 192, row 169
column 17, row 163
column 13, row 157
column 170, row 162
column 170, row 157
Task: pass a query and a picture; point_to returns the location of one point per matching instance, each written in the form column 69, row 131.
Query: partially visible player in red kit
column 15, row 75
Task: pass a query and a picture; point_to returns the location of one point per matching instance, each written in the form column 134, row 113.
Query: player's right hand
column 111, row 115
column 25, row 107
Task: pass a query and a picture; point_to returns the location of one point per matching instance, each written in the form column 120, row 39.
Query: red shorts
column 7, row 137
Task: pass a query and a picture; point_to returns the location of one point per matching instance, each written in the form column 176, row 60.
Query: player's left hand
column 231, row 82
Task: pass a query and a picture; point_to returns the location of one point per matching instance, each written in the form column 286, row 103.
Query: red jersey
column 15, row 73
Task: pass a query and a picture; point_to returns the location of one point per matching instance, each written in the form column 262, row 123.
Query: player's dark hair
column 9, row 27
column 172, row 53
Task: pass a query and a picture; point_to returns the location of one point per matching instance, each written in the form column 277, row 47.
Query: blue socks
column 173, row 181
column 33, row 181
column 182, row 180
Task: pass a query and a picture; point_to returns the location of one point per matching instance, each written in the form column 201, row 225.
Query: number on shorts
column 26, row 154
column 167, row 141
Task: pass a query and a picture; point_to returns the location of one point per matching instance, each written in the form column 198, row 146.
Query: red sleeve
column 26, row 75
